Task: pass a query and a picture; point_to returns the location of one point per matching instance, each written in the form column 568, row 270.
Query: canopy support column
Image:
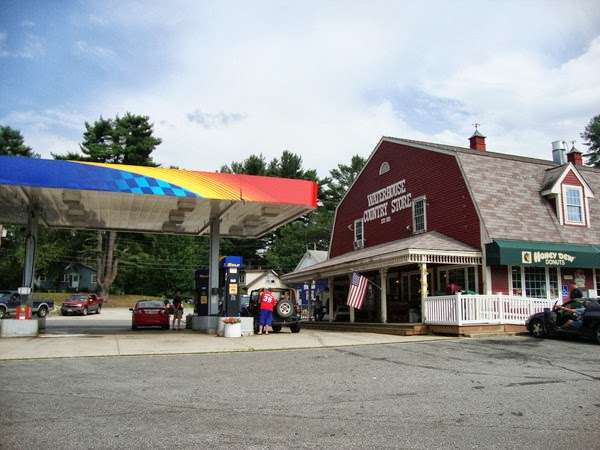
column 30, row 251
column 213, row 267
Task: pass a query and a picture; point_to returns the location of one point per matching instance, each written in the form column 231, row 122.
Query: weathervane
column 476, row 125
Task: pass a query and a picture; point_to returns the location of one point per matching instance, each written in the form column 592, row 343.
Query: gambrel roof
column 506, row 190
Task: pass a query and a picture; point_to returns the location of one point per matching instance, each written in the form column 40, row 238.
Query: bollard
column 27, row 312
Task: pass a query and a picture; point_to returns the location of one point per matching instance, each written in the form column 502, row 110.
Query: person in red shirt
column 266, row 303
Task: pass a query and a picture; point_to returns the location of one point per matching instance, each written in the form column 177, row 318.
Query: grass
column 114, row 301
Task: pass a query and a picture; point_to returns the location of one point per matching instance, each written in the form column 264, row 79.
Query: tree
column 339, row 181
column 122, row 140
column 591, row 136
column 253, row 165
column 13, row 144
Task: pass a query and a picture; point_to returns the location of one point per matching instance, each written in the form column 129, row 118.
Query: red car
column 83, row 304
column 149, row 313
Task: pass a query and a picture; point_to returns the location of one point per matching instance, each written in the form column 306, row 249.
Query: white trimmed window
column 93, row 278
column 537, row 282
column 465, row 277
column 359, row 234
column 419, row 215
column 573, row 200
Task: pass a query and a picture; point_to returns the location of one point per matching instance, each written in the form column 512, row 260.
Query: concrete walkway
column 110, row 334
column 158, row 342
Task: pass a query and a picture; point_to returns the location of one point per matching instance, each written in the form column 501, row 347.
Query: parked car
column 551, row 321
column 149, row 313
column 9, row 300
column 83, row 304
column 286, row 312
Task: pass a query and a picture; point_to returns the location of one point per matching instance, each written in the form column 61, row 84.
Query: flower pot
column 232, row 330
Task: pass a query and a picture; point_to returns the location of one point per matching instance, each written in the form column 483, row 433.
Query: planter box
column 18, row 328
column 232, row 330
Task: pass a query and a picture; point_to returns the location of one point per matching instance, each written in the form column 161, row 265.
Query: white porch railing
column 482, row 309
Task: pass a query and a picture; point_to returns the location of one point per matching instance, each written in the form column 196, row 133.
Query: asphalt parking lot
column 515, row 392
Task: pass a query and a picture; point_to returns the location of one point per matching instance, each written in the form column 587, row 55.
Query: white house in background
column 310, row 258
column 252, row 279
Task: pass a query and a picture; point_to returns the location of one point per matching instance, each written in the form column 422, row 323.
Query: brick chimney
column 575, row 157
column 477, row 141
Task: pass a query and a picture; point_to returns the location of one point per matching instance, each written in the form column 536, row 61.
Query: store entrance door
column 411, row 296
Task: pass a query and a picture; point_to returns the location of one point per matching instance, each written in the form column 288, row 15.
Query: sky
column 326, row 79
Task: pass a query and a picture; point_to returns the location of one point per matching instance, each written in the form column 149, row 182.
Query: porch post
column 213, row 267
column 351, row 308
column 383, row 293
column 424, row 290
column 330, row 309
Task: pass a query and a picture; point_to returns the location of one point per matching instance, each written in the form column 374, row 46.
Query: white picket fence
column 482, row 309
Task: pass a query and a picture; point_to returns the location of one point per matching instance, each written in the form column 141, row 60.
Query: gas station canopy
column 73, row 194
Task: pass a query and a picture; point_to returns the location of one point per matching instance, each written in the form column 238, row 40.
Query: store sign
column 387, row 201
column 547, row 258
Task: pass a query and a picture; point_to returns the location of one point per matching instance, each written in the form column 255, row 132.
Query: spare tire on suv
column 284, row 308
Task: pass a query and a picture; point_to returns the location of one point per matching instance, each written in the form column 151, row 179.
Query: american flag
column 358, row 288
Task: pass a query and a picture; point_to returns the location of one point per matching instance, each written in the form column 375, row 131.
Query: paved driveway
column 490, row 393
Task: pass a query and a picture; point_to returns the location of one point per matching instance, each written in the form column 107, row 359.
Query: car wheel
column 536, row 328
column 62, row 313
column 295, row 328
column 285, row 308
column 2, row 313
column 84, row 312
column 596, row 335
column 98, row 309
column 166, row 327
column 42, row 311
column 276, row 328
column 134, row 327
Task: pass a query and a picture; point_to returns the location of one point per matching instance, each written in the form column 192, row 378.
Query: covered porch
column 402, row 274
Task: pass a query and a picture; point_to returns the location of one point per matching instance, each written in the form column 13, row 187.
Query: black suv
column 286, row 312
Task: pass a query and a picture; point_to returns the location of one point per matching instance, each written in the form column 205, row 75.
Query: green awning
column 542, row 254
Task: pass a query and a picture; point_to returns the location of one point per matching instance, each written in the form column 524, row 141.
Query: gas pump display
column 229, row 277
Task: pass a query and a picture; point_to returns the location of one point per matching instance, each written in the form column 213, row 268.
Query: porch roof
column 431, row 247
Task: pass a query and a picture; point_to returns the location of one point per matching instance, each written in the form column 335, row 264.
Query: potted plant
column 232, row 327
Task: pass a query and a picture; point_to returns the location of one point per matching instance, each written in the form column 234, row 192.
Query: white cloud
column 95, row 51
column 304, row 76
column 215, row 120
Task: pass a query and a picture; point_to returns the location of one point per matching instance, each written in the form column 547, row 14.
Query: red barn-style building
column 424, row 220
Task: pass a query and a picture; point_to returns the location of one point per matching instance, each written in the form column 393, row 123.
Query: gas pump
column 201, row 293
column 229, row 277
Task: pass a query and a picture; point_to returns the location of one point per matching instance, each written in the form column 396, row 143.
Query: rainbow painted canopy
column 74, row 194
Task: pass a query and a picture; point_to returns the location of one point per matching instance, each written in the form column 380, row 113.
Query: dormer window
column 573, row 198
column 569, row 194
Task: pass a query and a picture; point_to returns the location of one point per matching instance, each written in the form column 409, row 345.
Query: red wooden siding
column 499, row 279
column 571, row 179
column 449, row 210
